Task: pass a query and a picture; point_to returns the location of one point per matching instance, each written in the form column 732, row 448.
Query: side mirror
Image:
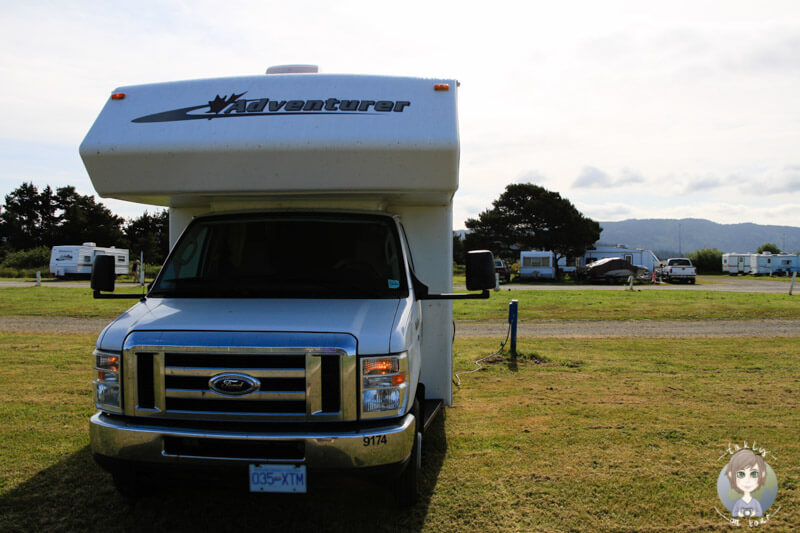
column 480, row 270
column 103, row 273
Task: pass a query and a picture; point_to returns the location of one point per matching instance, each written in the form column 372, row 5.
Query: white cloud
column 628, row 108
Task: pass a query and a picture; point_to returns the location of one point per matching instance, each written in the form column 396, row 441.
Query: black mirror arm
column 460, row 296
column 422, row 292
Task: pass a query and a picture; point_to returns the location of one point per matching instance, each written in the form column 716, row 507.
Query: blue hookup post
column 512, row 319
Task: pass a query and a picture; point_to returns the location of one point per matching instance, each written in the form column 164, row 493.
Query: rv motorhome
column 241, row 355
column 66, row 261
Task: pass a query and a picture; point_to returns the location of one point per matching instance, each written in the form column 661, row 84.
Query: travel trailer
column 242, row 355
column 536, row 264
column 66, row 261
column 734, row 264
column 767, row 264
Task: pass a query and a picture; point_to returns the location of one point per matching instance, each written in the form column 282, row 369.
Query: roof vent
column 94, row 244
column 293, row 69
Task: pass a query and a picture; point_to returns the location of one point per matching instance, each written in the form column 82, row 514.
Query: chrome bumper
column 128, row 440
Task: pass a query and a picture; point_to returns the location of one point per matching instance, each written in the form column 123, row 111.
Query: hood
column 369, row 321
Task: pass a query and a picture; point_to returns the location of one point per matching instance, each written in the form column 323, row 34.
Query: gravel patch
column 468, row 328
column 634, row 328
column 58, row 324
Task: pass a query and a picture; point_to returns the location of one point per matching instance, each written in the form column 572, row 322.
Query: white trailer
column 74, row 260
column 735, row 263
column 258, row 172
column 536, row 264
column 768, row 264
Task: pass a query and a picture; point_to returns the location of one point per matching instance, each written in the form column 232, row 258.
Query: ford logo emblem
column 233, row 384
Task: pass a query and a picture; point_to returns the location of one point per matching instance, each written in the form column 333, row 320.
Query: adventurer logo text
column 237, row 106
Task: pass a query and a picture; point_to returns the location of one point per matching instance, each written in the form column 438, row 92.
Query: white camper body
column 635, row 256
column 73, row 260
column 284, row 147
column 734, row 263
column 536, row 264
column 768, row 264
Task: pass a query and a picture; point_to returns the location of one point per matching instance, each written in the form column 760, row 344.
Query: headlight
column 383, row 385
column 107, row 382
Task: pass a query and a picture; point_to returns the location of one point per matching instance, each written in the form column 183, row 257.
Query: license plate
column 278, row 478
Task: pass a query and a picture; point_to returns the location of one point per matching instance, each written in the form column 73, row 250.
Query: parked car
column 502, row 269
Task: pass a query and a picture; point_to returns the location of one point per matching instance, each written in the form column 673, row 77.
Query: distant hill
column 669, row 236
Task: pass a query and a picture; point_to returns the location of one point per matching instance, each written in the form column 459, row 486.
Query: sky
column 627, row 108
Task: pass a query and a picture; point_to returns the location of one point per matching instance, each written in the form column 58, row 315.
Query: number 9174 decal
column 375, row 440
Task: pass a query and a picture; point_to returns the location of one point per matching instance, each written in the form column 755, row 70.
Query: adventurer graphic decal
column 236, row 106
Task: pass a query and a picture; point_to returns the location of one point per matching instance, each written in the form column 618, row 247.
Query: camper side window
column 536, row 262
column 120, row 259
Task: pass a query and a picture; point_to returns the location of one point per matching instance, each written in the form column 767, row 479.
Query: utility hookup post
column 512, row 320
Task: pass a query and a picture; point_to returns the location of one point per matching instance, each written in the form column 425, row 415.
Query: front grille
column 293, row 377
column 282, row 383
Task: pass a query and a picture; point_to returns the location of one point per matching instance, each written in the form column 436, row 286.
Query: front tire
column 407, row 487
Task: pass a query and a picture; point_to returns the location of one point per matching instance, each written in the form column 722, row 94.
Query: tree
column 30, row 219
column 82, row 219
column 529, row 217
column 149, row 234
column 21, row 219
column 707, row 260
column 768, row 247
column 459, row 252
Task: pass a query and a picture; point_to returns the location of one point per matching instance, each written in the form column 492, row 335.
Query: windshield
column 286, row 256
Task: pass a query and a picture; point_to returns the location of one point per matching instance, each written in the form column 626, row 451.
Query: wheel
column 692, row 281
column 407, row 487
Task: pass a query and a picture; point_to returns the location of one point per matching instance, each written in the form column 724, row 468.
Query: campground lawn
column 576, row 435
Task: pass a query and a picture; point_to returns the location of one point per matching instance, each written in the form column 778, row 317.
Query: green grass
column 627, row 305
column 577, row 435
column 60, row 301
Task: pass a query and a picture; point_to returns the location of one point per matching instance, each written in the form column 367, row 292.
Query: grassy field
column 533, row 305
column 577, row 435
column 59, row 301
column 627, row 305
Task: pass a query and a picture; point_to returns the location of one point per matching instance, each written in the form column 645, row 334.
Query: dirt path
column 635, row 328
column 465, row 329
